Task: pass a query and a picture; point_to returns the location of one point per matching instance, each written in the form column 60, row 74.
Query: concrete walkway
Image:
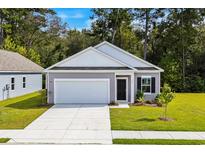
column 158, row 135
column 73, row 124
column 92, row 137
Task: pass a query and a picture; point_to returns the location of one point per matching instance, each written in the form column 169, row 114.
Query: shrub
column 140, row 97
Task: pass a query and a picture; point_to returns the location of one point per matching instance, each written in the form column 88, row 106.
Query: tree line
column 173, row 39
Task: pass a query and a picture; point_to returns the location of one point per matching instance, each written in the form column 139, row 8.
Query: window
column 24, row 82
column 146, row 84
column 12, row 83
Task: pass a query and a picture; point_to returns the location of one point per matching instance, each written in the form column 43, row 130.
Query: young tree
column 164, row 98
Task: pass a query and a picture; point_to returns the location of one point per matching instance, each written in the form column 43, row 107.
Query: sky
column 76, row 18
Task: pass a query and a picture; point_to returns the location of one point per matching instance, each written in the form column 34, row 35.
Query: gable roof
column 126, row 54
column 59, row 65
column 115, row 55
column 14, row 62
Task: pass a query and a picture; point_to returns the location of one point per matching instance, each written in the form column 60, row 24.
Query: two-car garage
column 72, row 91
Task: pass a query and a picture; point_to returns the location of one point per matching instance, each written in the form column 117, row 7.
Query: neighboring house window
column 146, row 84
column 12, row 83
column 24, row 82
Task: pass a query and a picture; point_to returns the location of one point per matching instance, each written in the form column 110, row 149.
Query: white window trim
column 23, row 82
column 126, row 78
column 149, row 77
column 12, row 83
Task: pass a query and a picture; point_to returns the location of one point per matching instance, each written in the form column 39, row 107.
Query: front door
column 122, row 89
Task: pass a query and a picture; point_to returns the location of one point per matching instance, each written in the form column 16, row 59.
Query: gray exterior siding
column 157, row 84
column 111, row 76
column 53, row 76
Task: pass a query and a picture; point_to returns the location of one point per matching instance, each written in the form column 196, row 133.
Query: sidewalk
column 158, row 135
column 56, row 136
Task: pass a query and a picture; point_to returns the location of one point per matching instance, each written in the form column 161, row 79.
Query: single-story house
column 18, row 75
column 101, row 74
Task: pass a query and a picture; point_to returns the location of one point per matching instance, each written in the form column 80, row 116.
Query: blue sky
column 76, row 18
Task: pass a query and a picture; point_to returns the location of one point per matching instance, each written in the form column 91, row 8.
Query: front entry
column 122, row 89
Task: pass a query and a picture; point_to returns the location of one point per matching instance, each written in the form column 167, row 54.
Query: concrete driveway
column 69, row 124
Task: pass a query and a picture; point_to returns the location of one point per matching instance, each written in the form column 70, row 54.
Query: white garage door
column 81, row 91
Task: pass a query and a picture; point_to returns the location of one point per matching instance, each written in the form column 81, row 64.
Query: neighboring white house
column 18, row 75
column 101, row 74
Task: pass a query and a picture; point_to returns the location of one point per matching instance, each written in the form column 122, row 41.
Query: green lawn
column 187, row 110
column 4, row 140
column 17, row 113
column 158, row 141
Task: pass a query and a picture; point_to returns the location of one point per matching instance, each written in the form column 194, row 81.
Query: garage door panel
column 82, row 91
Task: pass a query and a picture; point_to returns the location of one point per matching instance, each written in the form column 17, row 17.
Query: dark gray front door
column 121, row 89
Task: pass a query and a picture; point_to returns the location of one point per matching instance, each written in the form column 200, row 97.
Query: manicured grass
column 158, row 141
column 17, row 113
column 4, row 140
column 187, row 110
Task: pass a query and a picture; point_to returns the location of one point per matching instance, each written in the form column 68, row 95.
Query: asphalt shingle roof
column 146, row 68
column 12, row 61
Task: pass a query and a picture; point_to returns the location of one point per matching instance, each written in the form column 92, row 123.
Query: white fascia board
column 115, row 47
column 150, row 71
column 101, row 71
column 89, row 71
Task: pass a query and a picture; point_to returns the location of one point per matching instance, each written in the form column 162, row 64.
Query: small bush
column 140, row 97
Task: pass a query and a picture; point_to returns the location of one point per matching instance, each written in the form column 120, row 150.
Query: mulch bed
column 145, row 104
column 166, row 119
